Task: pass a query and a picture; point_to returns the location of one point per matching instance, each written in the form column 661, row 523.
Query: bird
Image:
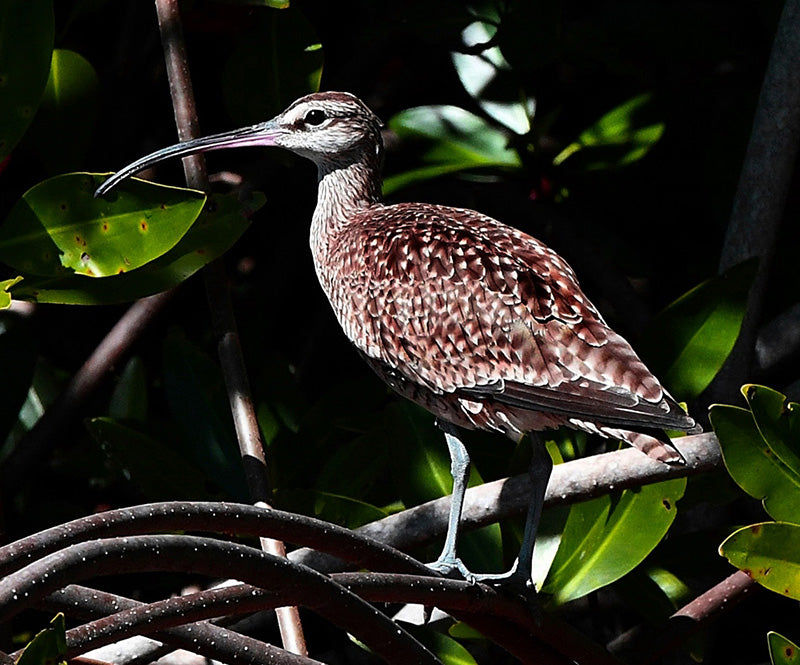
column 478, row 322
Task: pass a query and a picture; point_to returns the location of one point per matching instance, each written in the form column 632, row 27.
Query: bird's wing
column 460, row 303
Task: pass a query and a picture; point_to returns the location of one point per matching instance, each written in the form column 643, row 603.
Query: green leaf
column 153, row 468
column 601, row 544
column 222, row 221
column 5, row 296
column 781, row 650
column 753, row 464
column 489, row 80
column 337, row 509
column 65, row 122
column 444, row 647
column 26, row 44
column 622, row 136
column 778, row 420
column 769, row 553
column 58, row 227
column 688, row 342
column 48, row 647
column 456, row 140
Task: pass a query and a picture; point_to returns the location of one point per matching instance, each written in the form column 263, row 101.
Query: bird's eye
column 315, row 117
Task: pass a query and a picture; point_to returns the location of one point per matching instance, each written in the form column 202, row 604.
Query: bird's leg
column 448, row 561
column 539, row 474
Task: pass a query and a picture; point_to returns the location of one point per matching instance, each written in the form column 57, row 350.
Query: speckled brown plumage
column 478, row 322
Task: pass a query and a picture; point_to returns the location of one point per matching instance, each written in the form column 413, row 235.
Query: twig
column 645, row 645
column 224, row 322
column 763, row 188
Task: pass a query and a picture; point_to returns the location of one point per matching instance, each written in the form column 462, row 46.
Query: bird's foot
column 514, row 581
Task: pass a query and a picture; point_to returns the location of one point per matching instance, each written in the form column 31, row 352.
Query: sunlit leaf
column 65, row 121
column 600, row 544
column 781, row 650
column 5, row 296
column 155, row 469
column 221, row 223
column 623, row 135
column 49, row 647
column 688, row 342
column 456, row 140
column 753, row 464
column 58, row 227
column 26, row 44
column 444, row 647
column 769, row 553
column 485, row 76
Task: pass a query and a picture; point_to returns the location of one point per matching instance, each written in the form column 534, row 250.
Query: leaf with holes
column 769, row 553
column 752, row 462
column 782, row 651
column 602, row 543
column 778, row 420
column 221, row 223
column 59, row 228
column 26, row 44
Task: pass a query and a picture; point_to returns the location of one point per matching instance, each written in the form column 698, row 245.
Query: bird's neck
column 345, row 189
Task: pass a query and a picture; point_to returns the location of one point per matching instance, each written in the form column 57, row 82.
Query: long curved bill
column 262, row 134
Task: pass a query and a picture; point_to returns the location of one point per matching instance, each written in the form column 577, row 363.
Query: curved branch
column 204, row 638
column 209, row 557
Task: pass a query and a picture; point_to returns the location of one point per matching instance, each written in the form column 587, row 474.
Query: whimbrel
column 478, row 322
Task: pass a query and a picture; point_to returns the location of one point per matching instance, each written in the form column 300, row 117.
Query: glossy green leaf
column 602, row 543
column 59, row 228
column 198, row 402
column 769, row 553
column 293, row 68
column 778, row 420
column 65, row 122
column 753, row 464
column 444, row 647
column 221, row 223
column 157, row 471
column 488, row 79
column 622, row 136
column 687, row 343
column 26, row 44
column 781, row 650
column 457, row 140
column 48, row 647
column 5, row 296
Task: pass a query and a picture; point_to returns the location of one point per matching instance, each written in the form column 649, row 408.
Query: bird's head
column 329, row 128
